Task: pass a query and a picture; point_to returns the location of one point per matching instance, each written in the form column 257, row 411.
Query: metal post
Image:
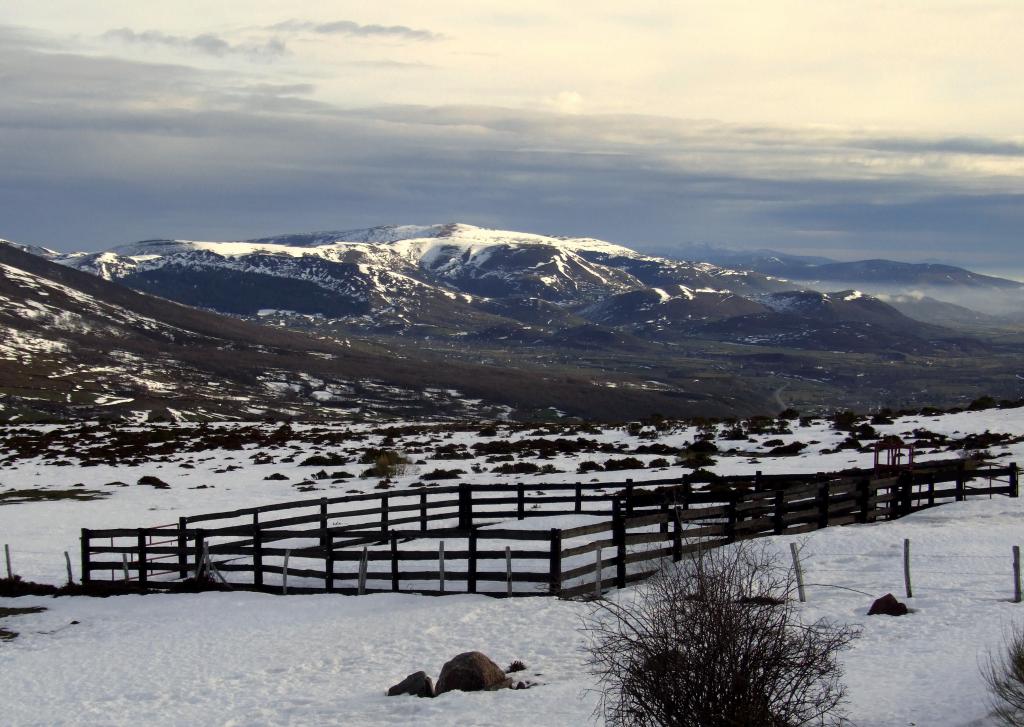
column 7, row 557
column 598, row 572
column 1014, row 486
column 284, row 573
column 361, row 583
column 124, row 566
column 67, row 560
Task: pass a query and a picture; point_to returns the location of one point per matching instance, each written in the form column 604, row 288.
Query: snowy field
column 253, row 659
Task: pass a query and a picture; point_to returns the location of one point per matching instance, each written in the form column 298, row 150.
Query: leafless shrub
column 716, row 642
column 1004, row 674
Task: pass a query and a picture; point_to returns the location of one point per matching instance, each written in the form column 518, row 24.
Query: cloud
column 130, row 150
column 350, row 28
column 206, row 43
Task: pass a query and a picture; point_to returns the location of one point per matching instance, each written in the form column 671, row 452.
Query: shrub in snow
column 716, row 642
column 1005, row 677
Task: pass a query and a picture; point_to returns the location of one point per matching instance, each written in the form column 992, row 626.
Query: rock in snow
column 471, row 672
column 417, row 684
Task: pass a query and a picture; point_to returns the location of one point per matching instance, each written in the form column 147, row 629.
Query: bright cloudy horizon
column 837, row 128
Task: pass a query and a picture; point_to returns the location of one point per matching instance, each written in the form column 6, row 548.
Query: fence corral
column 508, row 540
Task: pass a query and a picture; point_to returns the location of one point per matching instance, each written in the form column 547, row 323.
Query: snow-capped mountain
column 461, row 280
column 412, row 275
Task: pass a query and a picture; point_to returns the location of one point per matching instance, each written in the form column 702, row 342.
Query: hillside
column 77, row 345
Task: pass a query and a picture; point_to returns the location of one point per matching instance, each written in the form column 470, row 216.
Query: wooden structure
column 499, row 539
column 893, row 455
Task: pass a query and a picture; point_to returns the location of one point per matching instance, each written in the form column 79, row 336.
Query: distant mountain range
column 501, row 318
column 75, row 345
column 913, row 284
column 457, row 280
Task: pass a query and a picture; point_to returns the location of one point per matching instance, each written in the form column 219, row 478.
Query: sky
column 845, row 128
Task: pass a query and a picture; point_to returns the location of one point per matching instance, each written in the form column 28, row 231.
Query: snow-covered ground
column 254, row 659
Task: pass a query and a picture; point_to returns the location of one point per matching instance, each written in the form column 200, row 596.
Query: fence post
column 67, row 560
column 619, row 538
column 757, row 481
column 471, row 565
column 440, row 565
column 863, row 499
column 798, row 571
column 556, row 561
column 257, row 551
column 823, row 495
column 906, row 493
column 730, row 518
column 323, row 523
column 284, row 573
column 931, row 490
column 520, row 502
column 677, row 537
column 143, row 574
column 182, row 548
column 124, row 567
column 1016, row 574
column 328, row 561
column 394, row 562
column 423, row 510
column 200, row 539
column 1014, row 486
column 960, row 482
column 361, row 580
column 465, row 506
column 906, row 568
column 663, row 525
column 778, row 516
column 629, row 497
column 508, row 569
column 578, row 504
column 86, row 556
column 384, row 514
column 598, row 573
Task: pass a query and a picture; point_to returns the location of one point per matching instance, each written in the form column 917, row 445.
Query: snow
column 254, row 659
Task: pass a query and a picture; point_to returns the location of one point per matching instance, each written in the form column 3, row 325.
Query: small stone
column 887, row 605
column 418, row 684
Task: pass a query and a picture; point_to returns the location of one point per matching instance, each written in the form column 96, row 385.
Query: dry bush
column 1005, row 677
column 716, row 642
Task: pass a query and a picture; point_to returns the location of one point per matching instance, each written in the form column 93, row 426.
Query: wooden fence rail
column 459, row 539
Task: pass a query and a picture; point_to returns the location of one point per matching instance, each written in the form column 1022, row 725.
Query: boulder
column 887, row 605
column 418, row 684
column 471, row 672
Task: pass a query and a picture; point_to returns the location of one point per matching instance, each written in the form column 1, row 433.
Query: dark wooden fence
column 499, row 544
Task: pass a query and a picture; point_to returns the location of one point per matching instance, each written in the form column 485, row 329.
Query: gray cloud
column 350, row 28
column 98, row 151
column 207, row 43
